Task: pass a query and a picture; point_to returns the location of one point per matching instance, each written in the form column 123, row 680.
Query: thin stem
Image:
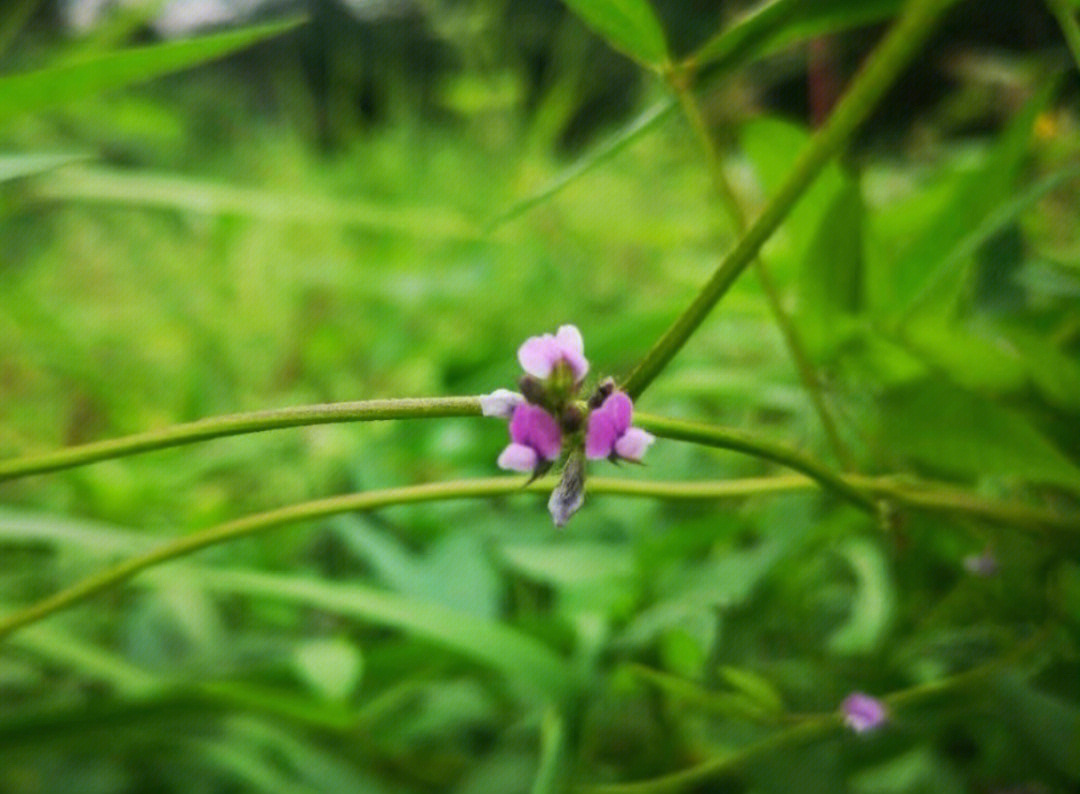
column 877, row 74
column 461, row 489
column 726, row 438
column 236, row 424
column 554, row 747
column 803, row 366
column 1066, row 18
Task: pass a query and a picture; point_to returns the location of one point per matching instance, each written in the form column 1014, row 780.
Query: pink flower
column 863, row 713
column 535, row 439
column 609, row 431
column 539, row 355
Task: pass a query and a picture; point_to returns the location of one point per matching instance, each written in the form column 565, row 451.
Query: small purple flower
column 984, row 565
column 535, row 439
column 863, row 713
column 500, row 403
column 539, row 355
column 609, row 432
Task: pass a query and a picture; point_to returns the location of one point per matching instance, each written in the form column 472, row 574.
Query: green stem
column 1066, row 18
column 882, row 67
column 725, row 438
column 803, row 366
column 461, row 489
column 236, row 424
column 554, row 746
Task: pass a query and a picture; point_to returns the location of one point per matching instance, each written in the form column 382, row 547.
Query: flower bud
column 533, row 389
column 572, row 419
column 603, row 391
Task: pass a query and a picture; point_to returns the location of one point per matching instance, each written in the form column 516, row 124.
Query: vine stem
column 803, row 365
column 371, row 500
column 867, row 88
column 237, row 424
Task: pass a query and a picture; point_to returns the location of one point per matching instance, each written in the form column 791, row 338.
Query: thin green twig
column 803, row 366
column 460, row 489
column 877, row 74
column 237, row 424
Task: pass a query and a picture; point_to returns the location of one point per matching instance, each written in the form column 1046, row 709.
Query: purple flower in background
column 540, row 355
column 609, row 432
column 500, row 403
column 863, row 713
column 984, row 565
column 535, row 439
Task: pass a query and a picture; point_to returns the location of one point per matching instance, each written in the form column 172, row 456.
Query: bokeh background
column 322, row 217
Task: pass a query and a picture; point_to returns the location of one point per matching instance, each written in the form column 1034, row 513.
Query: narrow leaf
column 16, row 166
column 629, row 26
column 781, row 23
column 46, row 88
column 531, row 668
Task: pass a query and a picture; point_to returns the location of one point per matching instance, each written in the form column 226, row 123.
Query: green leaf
column 874, row 603
column 629, row 26
column 173, row 192
column 976, row 195
column 830, row 283
column 780, row 23
column 954, row 431
column 1050, row 725
column 53, row 86
column 330, row 666
column 17, row 166
column 532, row 669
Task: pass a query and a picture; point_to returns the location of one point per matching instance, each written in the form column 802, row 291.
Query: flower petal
column 862, row 712
column 518, row 457
column 572, row 350
column 538, row 355
column 534, row 427
column 600, row 435
column 500, row 403
column 621, row 409
column 569, row 338
column 633, row 444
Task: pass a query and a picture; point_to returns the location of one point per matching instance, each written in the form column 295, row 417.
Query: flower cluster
column 547, row 418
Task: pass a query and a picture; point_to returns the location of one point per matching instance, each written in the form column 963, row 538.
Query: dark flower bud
column 603, row 391
column 572, row 419
column 569, row 494
column 533, row 390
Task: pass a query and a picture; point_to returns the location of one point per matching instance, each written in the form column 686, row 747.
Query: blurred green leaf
column 874, row 601
column 570, row 563
column 754, row 688
column 973, row 199
column 530, row 667
column 780, row 23
column 330, row 666
column 33, row 91
column 951, row 430
column 1050, row 725
column 172, row 192
column 16, row 166
column 830, row 284
column 630, row 26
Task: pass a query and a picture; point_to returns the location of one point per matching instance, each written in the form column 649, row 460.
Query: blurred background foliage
column 310, row 219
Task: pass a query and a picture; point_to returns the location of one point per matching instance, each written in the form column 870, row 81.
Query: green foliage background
column 185, row 248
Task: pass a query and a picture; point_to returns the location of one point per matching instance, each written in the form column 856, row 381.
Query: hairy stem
column 237, row 424
column 461, row 489
column 803, row 366
column 869, row 85
column 726, row 438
